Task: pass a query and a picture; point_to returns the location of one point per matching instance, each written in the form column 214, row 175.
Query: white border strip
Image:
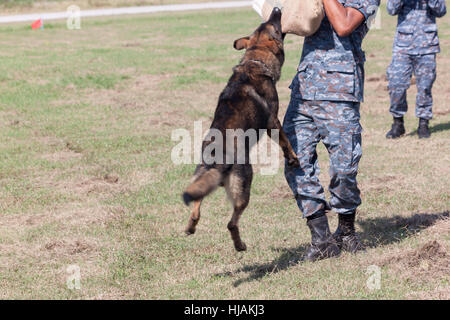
column 127, row 10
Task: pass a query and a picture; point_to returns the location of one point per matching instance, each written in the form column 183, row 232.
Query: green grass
column 80, row 107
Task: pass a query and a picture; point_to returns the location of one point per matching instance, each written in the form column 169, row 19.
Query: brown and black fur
column 249, row 101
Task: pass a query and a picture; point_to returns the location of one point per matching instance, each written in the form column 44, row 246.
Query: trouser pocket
column 345, row 150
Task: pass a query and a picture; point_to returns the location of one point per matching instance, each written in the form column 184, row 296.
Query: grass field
column 86, row 179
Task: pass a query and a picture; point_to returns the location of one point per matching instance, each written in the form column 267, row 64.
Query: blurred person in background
column 414, row 51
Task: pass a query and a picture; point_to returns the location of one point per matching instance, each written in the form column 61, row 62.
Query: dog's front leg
column 283, row 141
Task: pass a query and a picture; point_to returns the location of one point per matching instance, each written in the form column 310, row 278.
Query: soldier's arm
column 437, row 7
column 343, row 19
column 394, row 6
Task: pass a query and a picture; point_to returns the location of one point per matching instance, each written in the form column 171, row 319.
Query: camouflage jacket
column 416, row 29
column 332, row 67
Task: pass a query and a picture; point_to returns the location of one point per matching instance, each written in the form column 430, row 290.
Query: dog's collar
column 266, row 69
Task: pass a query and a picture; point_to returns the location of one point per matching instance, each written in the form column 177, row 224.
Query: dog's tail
column 203, row 185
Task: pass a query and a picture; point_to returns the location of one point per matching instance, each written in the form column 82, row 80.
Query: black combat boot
column 423, row 131
column 397, row 129
column 345, row 235
column 322, row 243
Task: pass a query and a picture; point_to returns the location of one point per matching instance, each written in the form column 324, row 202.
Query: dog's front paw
column 293, row 162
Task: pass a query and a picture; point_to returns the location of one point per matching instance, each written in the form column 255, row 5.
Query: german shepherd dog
column 249, row 101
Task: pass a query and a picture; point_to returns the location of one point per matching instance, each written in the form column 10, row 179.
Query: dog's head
column 266, row 41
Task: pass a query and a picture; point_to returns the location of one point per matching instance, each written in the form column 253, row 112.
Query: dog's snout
column 275, row 17
column 276, row 14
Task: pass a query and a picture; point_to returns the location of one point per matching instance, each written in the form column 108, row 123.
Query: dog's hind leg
column 195, row 217
column 237, row 185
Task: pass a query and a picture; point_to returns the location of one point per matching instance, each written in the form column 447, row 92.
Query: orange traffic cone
column 37, row 24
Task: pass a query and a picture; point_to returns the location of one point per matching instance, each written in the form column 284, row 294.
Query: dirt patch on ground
column 381, row 183
column 80, row 187
column 107, row 184
column 429, row 261
column 432, row 251
column 139, row 93
column 427, row 264
column 281, row 194
column 9, row 118
column 442, row 112
column 377, row 78
column 68, row 247
column 61, row 156
column 48, row 251
column 437, row 294
column 148, row 100
column 139, row 178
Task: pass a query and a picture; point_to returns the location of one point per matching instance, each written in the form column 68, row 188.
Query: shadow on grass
column 386, row 230
column 434, row 129
column 289, row 257
column 375, row 232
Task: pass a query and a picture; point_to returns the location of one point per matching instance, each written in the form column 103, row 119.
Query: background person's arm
column 394, row 6
column 437, row 7
column 343, row 20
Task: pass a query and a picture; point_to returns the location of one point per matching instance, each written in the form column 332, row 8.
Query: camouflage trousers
column 337, row 125
column 399, row 76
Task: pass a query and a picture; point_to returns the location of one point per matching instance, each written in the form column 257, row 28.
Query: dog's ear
column 241, row 43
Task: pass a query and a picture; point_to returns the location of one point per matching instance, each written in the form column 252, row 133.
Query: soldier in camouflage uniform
column 415, row 47
column 325, row 100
